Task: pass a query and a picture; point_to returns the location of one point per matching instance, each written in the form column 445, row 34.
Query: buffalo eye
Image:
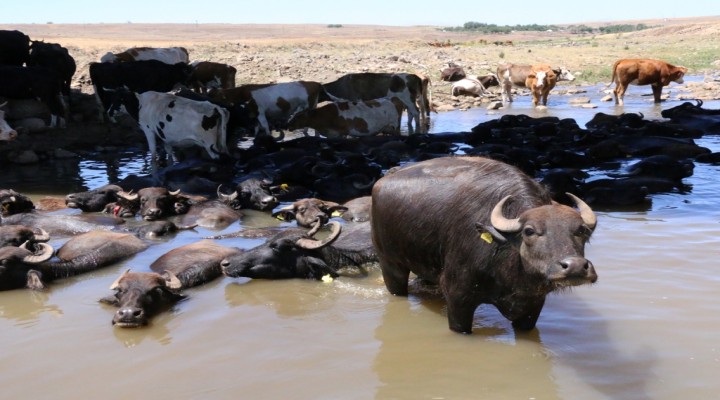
column 583, row 231
column 143, row 200
column 529, row 231
column 301, row 209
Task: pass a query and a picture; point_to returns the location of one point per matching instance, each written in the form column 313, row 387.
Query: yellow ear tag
column 336, row 214
column 284, row 186
column 327, row 278
column 486, row 237
column 280, row 217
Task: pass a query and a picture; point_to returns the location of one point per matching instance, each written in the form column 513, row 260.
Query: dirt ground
column 279, row 53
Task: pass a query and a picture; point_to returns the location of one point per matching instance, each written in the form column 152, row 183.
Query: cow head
column 7, row 133
column 290, row 254
column 12, row 202
column 155, row 202
column 140, row 295
column 550, row 240
column 122, row 100
column 563, row 74
column 93, row 200
column 20, row 267
column 678, row 73
column 310, row 212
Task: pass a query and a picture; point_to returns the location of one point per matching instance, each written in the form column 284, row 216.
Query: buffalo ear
column 317, row 268
column 336, row 210
column 489, row 229
column 111, row 300
column 171, row 280
column 34, row 280
column 284, row 215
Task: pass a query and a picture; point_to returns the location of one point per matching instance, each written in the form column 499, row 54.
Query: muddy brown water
column 648, row 329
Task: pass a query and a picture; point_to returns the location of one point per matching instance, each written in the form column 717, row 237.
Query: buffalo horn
column 369, row 182
column 130, row 196
column 500, row 222
column 227, row 198
column 587, row 214
column 171, row 280
column 116, row 284
column 44, row 254
column 174, row 193
column 309, row 243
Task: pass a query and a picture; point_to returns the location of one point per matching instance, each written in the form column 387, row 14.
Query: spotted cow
column 168, row 55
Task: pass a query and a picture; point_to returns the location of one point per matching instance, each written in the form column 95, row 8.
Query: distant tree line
column 473, row 26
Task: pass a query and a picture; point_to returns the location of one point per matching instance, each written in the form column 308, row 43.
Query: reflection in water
column 26, row 306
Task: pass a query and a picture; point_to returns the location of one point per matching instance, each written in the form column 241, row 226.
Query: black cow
column 136, row 76
column 38, row 83
column 444, row 220
column 56, row 58
column 14, row 48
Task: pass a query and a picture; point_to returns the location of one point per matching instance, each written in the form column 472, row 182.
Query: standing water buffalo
column 445, row 220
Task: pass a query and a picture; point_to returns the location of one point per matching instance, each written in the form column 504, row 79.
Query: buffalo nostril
column 137, row 313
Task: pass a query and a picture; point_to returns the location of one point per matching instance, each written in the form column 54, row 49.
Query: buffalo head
column 290, row 254
column 155, row 202
column 140, row 295
column 309, row 212
column 12, row 202
column 551, row 240
column 20, row 267
column 93, row 200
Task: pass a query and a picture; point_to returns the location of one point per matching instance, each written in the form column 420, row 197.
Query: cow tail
column 614, row 75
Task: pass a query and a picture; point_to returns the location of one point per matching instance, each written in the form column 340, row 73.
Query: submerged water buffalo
column 93, row 200
column 445, row 220
column 140, row 295
column 12, row 202
column 20, row 267
column 16, row 235
column 293, row 253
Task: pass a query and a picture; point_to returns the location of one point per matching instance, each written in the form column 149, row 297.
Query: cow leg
column 544, row 97
column 619, row 94
column 396, row 279
column 506, row 91
column 657, row 91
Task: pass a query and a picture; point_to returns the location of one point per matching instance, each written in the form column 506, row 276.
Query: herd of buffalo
column 498, row 215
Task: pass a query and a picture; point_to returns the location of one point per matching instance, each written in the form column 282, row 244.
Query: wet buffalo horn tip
column 115, row 284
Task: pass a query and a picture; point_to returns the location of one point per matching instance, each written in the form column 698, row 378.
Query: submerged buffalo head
column 93, row 200
column 12, row 202
column 309, row 212
column 154, row 203
column 16, row 235
column 252, row 194
column 290, row 254
column 551, row 241
column 20, row 267
column 141, row 295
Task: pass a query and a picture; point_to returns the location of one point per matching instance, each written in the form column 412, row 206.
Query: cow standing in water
column 655, row 73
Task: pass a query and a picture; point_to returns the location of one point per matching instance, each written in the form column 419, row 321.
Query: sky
column 364, row 12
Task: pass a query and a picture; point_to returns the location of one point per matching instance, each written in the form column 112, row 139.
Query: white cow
column 354, row 118
column 168, row 55
column 516, row 74
column 181, row 122
column 275, row 104
column 7, row 133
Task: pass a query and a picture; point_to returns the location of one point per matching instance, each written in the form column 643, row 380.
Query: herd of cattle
column 497, row 215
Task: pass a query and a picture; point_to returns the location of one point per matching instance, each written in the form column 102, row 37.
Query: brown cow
column 540, row 81
column 207, row 74
column 636, row 71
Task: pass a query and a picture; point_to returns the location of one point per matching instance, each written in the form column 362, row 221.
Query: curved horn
column 698, row 101
column 45, row 253
column 116, row 284
column 587, row 214
column 498, row 220
column 363, row 186
column 128, row 195
column 174, row 193
column 227, row 198
column 312, row 244
column 43, row 236
column 171, row 280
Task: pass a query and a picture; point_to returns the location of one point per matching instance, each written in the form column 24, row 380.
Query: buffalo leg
column 527, row 321
column 460, row 315
column 396, row 279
